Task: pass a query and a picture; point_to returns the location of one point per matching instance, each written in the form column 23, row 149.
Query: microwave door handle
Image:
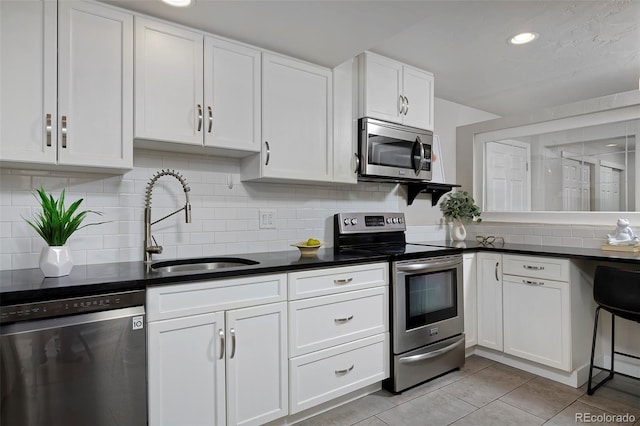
column 418, row 168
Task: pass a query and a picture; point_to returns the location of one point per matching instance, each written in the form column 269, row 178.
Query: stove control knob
column 354, row 221
column 400, row 220
column 388, row 220
column 395, row 220
column 347, row 221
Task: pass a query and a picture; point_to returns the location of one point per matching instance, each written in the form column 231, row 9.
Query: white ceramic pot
column 458, row 233
column 55, row 261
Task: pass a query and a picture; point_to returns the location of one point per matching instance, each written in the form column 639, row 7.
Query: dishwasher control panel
column 70, row 306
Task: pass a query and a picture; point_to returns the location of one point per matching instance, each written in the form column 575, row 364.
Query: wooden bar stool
column 617, row 291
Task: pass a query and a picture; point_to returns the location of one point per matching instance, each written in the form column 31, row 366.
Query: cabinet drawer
column 320, row 282
column 172, row 301
column 326, row 321
column 536, row 267
column 321, row 376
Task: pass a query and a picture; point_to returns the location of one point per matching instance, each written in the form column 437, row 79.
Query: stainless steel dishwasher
column 76, row 361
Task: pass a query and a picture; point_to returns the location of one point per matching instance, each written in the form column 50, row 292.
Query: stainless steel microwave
column 393, row 152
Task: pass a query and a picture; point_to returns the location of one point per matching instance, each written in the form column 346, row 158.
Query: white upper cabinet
column 168, row 86
column 195, row 90
column 392, row 91
column 231, row 95
column 92, row 124
column 296, row 122
column 345, row 122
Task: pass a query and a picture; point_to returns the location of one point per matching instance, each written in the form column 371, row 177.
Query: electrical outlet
column 267, row 219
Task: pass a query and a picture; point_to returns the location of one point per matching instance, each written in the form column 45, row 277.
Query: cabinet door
column 95, row 86
column 470, row 299
column 345, row 122
column 232, row 95
column 169, row 80
column 418, row 89
column 257, row 376
column 297, row 120
column 28, row 32
column 382, row 88
column 489, row 282
column 186, row 371
column 537, row 320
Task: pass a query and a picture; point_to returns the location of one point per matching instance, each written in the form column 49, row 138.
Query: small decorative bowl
column 307, row 251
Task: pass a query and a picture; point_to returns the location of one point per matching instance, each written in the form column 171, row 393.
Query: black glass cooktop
column 403, row 251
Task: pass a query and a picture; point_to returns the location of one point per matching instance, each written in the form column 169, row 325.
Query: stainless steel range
column 426, row 296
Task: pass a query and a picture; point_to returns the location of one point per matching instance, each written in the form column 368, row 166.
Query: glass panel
column 585, row 169
column 430, row 298
column 385, row 151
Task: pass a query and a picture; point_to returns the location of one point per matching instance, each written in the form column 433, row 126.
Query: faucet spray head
column 187, row 213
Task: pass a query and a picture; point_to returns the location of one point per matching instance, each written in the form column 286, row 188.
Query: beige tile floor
column 487, row 393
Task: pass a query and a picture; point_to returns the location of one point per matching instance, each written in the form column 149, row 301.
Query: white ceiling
column 586, row 48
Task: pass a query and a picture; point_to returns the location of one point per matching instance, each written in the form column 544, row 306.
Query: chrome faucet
column 150, row 249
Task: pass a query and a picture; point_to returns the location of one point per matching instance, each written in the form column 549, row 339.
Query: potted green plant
column 55, row 224
column 460, row 208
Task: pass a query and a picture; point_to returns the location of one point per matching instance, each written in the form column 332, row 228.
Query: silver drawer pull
column 48, row 128
column 221, row 334
column 527, row 282
column 343, row 372
column 233, row 342
column 343, row 281
column 343, row 320
column 533, row 268
column 63, row 130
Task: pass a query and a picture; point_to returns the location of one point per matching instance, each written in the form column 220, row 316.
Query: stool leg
column 613, row 341
column 593, row 350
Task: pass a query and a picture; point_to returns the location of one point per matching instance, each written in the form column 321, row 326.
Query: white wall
column 448, row 116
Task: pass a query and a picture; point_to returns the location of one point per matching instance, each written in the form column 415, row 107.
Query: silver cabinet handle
column 534, row 283
column 343, row 281
column 199, row 117
column 210, row 118
column 497, row 266
column 63, row 130
column 266, row 144
column 406, row 105
column 343, row 320
column 221, row 334
column 48, row 128
column 357, row 163
column 429, row 355
column 233, row 342
column 345, row 371
column 533, row 268
column 401, row 104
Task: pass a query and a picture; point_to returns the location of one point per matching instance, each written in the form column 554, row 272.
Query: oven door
column 394, row 151
column 427, row 301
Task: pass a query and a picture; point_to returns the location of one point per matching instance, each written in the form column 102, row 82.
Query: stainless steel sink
column 201, row 264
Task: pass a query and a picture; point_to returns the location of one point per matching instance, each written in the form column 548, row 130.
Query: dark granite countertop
column 593, row 254
column 26, row 285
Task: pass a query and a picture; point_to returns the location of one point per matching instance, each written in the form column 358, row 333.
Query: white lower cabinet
column 537, row 322
column 489, row 286
column 215, row 368
column 470, row 292
column 339, row 339
column 524, row 313
column 323, row 375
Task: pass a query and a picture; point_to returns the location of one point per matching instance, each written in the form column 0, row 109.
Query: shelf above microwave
column 437, row 190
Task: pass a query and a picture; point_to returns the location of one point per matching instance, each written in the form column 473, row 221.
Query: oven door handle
column 413, row 267
column 430, row 355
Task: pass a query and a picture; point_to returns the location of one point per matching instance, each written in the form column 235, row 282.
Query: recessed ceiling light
column 523, row 38
column 177, row 3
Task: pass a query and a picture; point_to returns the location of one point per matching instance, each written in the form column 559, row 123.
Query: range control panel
column 351, row 223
